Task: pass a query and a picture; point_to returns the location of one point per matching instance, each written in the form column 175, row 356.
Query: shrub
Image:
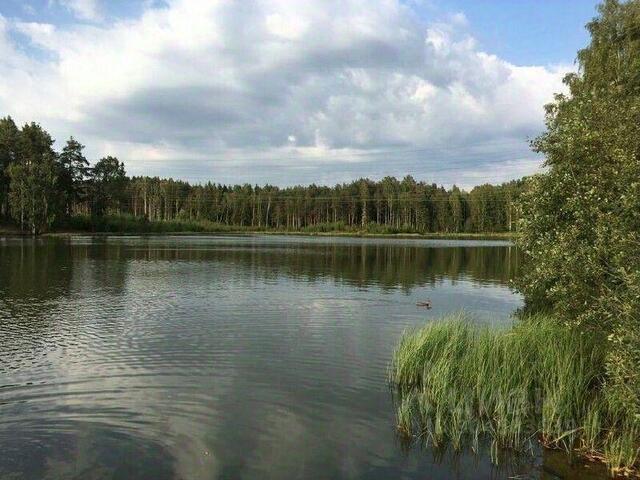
column 580, row 221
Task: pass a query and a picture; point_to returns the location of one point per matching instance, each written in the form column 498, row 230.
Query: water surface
column 228, row 357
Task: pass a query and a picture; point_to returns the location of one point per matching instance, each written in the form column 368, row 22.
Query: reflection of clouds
column 225, row 365
column 192, row 454
column 277, row 453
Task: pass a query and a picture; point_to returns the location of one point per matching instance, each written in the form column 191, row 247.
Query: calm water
column 228, row 357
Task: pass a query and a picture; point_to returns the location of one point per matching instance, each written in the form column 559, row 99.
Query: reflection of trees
column 40, row 271
column 40, row 279
column 34, row 269
column 109, row 262
column 34, row 276
column 386, row 265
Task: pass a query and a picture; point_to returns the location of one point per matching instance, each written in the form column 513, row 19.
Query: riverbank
column 10, row 230
column 294, row 233
column 535, row 381
column 129, row 225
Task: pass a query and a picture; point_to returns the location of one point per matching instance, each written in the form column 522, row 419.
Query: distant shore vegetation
column 42, row 189
column 130, row 224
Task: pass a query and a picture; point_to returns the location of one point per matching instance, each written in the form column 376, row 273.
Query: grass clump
column 537, row 381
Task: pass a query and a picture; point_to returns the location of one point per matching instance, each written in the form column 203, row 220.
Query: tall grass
column 537, row 381
column 133, row 224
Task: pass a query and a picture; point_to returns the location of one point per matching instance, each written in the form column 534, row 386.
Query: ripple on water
column 220, row 357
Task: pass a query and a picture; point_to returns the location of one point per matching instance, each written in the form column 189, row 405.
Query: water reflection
column 220, row 357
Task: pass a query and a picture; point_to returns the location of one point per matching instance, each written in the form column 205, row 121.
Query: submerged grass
column 537, row 381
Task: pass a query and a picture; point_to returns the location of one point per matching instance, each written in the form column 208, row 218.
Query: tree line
column 41, row 188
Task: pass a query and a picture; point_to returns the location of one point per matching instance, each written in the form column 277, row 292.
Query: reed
column 537, row 381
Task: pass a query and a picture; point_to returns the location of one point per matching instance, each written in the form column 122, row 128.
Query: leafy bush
column 580, row 221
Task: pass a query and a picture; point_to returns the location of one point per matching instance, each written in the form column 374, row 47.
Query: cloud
column 205, row 89
column 83, row 9
column 28, row 9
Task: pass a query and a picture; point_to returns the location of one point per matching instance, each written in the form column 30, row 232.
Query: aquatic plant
column 537, row 381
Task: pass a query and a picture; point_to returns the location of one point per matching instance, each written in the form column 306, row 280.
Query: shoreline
column 7, row 231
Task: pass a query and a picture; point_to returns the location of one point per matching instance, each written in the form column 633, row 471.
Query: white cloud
column 288, row 27
column 83, row 9
column 196, row 87
column 39, row 33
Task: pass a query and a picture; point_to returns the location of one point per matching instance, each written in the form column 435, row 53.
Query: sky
column 293, row 92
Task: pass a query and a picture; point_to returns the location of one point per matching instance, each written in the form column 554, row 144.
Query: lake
column 224, row 357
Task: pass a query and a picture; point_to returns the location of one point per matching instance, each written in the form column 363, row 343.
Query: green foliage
column 580, row 221
column 387, row 206
column 32, row 180
column 540, row 379
column 362, row 206
column 8, row 146
column 130, row 224
column 108, row 185
column 73, row 174
column 39, row 187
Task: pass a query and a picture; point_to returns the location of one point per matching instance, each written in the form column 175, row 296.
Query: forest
column 41, row 189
